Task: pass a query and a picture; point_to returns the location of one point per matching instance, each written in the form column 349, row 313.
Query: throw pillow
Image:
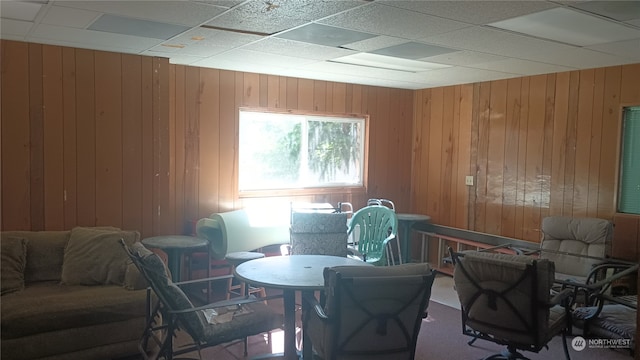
column 96, row 257
column 13, row 260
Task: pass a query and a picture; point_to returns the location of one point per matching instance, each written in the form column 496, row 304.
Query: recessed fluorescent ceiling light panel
column 413, row 50
column 387, row 62
column 136, row 27
column 569, row 27
column 325, row 35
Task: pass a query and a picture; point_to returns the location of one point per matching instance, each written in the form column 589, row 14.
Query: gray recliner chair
column 575, row 245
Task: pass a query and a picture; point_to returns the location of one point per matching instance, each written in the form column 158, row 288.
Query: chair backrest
column 375, row 312
column 382, row 202
column 314, row 233
column 505, row 296
column 170, row 295
column 565, row 237
column 376, row 225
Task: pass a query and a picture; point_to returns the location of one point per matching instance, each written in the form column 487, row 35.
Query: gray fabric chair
column 575, row 245
column 368, row 312
column 315, row 233
column 235, row 319
column 506, row 299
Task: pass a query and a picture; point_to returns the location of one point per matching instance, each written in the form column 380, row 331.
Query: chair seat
column 615, row 321
column 256, row 318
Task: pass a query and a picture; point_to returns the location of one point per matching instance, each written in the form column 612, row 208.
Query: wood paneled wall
column 536, row 146
column 98, row 138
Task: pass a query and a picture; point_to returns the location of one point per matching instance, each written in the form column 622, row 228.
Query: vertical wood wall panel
column 36, row 141
column 70, row 138
column 511, row 147
column 131, row 142
column 148, row 175
column 15, row 137
column 86, row 137
column 108, row 137
column 210, row 138
column 192, row 139
column 53, row 138
column 227, row 143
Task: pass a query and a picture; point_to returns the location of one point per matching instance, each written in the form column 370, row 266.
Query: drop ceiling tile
column 227, row 4
column 227, row 63
column 413, row 50
column 355, row 70
column 89, row 39
column 580, row 58
column 186, row 13
column 628, row 49
column 136, row 27
column 473, row 12
column 465, row 57
column 178, row 60
column 297, row 49
column 19, row 10
column 495, row 41
column 324, row 35
column 374, row 43
column 522, row 67
column 392, row 21
column 634, row 22
column 14, row 29
column 64, row 16
column 275, row 16
column 205, row 42
column 462, row 75
column 568, row 26
column 262, row 59
column 618, row 10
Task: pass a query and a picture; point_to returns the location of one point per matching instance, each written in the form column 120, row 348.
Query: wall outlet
column 468, row 180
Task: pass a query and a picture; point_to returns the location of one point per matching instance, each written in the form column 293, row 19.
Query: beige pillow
column 96, row 257
column 13, row 260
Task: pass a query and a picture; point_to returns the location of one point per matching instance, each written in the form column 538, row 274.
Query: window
column 291, row 151
column 629, row 196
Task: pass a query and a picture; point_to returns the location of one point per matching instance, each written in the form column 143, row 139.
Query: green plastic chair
column 377, row 226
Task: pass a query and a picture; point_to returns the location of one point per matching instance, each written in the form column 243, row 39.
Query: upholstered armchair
column 368, row 312
column 575, row 245
column 316, row 233
column 506, row 299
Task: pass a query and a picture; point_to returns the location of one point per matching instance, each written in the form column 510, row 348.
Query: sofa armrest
column 133, row 279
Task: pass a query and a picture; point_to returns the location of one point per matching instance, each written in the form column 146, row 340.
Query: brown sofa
column 69, row 295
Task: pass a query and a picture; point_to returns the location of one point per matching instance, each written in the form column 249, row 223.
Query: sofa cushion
column 95, row 256
column 13, row 259
column 45, row 251
column 47, row 307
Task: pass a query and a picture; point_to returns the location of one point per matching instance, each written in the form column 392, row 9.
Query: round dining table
column 290, row 274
